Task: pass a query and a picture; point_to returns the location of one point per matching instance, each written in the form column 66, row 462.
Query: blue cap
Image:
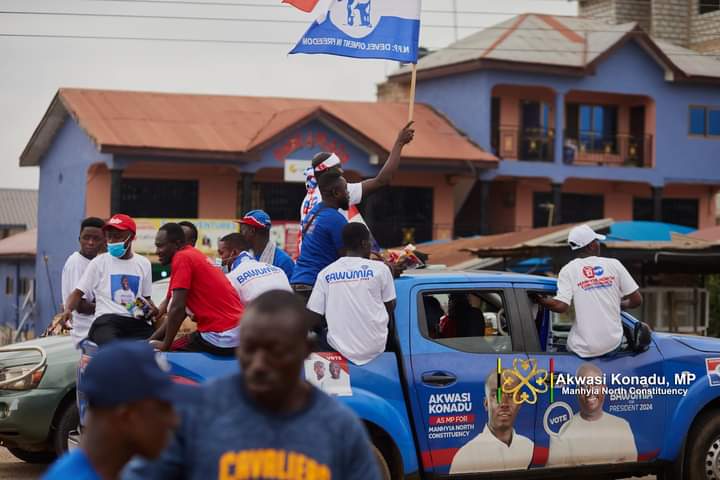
column 257, row 219
column 129, row 371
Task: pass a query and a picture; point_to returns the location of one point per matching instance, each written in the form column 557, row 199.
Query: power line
column 290, row 44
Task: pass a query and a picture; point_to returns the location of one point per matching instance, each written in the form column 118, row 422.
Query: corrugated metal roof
column 234, row 125
column 559, row 41
column 18, row 207
column 22, row 244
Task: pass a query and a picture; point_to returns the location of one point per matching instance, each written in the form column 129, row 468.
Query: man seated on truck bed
column 599, row 288
column 357, row 297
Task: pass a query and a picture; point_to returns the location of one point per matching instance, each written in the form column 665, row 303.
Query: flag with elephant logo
column 382, row 29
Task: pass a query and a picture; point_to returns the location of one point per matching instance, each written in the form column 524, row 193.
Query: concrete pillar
column 484, row 215
column 246, row 180
column 657, row 203
column 115, row 190
column 559, row 127
column 556, row 189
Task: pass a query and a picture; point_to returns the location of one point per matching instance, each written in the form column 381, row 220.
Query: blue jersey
column 75, row 465
column 283, row 261
column 321, row 243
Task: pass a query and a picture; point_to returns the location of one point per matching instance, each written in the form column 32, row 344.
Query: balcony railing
column 595, row 148
column 529, row 144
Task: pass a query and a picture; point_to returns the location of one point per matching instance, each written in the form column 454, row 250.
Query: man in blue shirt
column 267, row 418
column 321, row 233
column 130, row 412
column 255, row 228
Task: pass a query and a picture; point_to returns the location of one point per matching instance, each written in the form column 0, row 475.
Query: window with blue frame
column 593, row 127
column 704, row 121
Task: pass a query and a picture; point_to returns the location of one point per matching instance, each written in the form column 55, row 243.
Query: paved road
column 12, row 468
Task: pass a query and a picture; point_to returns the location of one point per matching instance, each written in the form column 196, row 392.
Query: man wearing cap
column 130, row 412
column 249, row 277
column 255, row 228
column 326, row 162
column 599, row 288
column 196, row 284
column 118, row 270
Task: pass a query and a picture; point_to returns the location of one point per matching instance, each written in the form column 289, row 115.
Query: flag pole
column 413, row 79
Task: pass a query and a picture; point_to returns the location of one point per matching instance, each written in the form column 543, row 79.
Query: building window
column 401, row 215
column 593, row 127
column 678, row 211
column 281, row 201
column 576, row 208
column 705, row 121
column 708, row 6
column 25, row 284
column 9, row 290
column 152, row 198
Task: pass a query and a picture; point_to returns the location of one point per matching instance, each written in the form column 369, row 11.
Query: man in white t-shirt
column 338, row 383
column 357, row 296
column 599, row 288
column 592, row 436
column 116, row 315
column 248, row 276
column 498, row 447
column 92, row 242
column 329, row 162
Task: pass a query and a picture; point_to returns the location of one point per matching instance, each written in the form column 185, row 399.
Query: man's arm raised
column 392, row 163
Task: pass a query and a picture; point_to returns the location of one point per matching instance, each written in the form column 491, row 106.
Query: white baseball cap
column 582, row 236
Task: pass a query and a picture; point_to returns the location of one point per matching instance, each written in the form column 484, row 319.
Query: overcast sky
column 32, row 69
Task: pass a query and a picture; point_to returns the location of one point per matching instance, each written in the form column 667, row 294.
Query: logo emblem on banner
column 713, row 371
column 356, row 18
column 525, row 381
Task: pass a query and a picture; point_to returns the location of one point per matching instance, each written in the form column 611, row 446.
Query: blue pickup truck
column 476, row 382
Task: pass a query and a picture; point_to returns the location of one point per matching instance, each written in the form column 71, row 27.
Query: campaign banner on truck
column 329, row 372
column 383, row 29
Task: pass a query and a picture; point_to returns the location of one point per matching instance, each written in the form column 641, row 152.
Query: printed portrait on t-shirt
column 124, row 288
column 329, row 372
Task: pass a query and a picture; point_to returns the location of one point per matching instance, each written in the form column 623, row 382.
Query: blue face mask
column 117, row 250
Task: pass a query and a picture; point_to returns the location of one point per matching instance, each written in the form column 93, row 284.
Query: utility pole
column 455, row 20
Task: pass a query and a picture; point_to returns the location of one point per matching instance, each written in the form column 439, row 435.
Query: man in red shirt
column 198, row 285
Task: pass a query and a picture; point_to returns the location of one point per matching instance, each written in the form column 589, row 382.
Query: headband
column 329, row 162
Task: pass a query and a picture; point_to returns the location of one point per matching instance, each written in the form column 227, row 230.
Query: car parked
column 37, row 413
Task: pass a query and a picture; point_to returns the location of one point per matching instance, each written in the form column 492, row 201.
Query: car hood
column 57, row 348
column 701, row 344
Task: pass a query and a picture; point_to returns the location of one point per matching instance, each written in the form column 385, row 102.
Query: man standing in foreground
column 92, row 243
column 263, row 417
column 357, row 296
column 599, row 288
column 255, row 228
column 130, row 412
column 199, row 285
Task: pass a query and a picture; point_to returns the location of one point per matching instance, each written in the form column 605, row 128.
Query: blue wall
column 61, row 209
column 466, row 98
column 15, row 269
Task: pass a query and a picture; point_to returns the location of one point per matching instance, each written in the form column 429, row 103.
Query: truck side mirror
column 641, row 337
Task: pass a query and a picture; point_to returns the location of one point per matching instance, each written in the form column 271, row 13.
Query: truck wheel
column 702, row 456
column 29, row 456
column 382, row 464
column 67, row 421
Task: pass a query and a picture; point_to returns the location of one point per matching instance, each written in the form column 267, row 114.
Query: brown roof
column 711, row 234
column 235, row 127
column 461, row 250
column 22, row 244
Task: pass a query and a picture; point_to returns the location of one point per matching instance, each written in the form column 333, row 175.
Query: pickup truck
column 432, row 405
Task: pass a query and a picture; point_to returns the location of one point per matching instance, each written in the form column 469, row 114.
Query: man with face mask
column 321, row 233
column 118, row 269
column 498, row 447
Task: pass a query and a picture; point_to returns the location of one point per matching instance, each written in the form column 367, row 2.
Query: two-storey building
column 589, row 119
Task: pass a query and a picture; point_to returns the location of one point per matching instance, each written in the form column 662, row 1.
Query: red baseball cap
column 121, row 221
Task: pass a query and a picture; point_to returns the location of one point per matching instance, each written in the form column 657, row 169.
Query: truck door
column 605, row 410
column 465, row 335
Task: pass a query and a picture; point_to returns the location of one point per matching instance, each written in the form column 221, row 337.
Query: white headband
column 329, row 162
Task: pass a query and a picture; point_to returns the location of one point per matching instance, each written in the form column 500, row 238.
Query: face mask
column 117, row 250
column 226, row 268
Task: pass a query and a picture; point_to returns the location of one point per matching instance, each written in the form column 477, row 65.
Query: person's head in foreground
column 356, row 238
column 592, row 398
column 584, row 241
column 326, row 162
column 501, row 415
column 130, row 399
column 273, row 346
